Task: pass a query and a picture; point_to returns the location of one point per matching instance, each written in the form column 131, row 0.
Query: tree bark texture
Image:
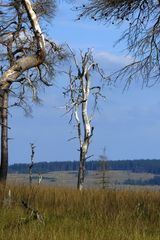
column 87, row 130
column 4, row 137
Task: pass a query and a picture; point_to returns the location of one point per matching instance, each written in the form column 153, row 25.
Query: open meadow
column 93, row 179
column 85, row 165
column 68, row 214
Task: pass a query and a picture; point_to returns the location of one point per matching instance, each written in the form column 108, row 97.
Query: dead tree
column 26, row 58
column 142, row 35
column 78, row 93
column 32, row 162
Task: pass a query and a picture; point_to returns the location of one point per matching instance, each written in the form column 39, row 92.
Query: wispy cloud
column 113, row 58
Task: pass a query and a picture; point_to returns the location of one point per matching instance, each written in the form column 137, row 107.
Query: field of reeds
column 66, row 214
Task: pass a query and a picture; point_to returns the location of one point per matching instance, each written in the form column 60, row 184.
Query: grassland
column 72, row 215
column 92, row 179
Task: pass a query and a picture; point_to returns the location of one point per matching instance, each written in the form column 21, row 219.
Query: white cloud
column 111, row 58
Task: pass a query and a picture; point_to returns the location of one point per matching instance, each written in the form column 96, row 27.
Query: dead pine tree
column 27, row 58
column 10, row 41
column 78, row 92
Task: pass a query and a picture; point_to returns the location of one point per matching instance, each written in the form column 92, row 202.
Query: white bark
column 87, row 129
column 35, row 24
column 28, row 62
column 79, row 91
column 18, row 68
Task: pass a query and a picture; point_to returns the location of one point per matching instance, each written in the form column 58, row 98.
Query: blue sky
column 128, row 124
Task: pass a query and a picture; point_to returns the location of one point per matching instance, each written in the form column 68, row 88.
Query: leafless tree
column 27, row 57
column 80, row 88
column 142, row 23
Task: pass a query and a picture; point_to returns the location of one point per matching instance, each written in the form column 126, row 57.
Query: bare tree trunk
column 87, row 130
column 4, row 137
column 32, row 163
column 81, row 172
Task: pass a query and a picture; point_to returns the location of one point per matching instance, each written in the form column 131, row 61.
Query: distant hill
column 148, row 166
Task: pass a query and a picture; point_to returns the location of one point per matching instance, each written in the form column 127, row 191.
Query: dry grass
column 93, row 179
column 88, row 215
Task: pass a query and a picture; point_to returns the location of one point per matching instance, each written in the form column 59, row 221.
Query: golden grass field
column 72, row 215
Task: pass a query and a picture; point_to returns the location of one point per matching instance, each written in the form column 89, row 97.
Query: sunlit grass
column 88, row 215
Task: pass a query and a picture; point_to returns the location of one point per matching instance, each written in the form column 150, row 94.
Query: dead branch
column 33, row 213
column 142, row 23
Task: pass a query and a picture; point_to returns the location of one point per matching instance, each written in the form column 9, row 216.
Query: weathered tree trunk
column 81, row 172
column 4, row 137
column 87, row 130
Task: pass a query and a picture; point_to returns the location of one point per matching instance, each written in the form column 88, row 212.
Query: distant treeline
column 148, row 166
